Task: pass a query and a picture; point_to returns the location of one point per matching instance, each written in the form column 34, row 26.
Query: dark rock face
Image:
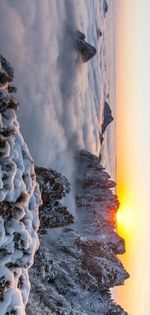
column 7, row 68
column 3, row 77
column 6, row 75
column 75, row 266
column 53, row 187
column 86, row 50
column 107, row 119
column 96, row 200
column 105, row 7
column 99, row 33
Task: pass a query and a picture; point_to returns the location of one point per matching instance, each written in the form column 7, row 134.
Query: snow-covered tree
column 19, row 202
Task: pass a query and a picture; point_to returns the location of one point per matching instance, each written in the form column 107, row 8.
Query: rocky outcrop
column 96, row 201
column 105, row 7
column 77, row 265
column 7, row 69
column 53, row 187
column 19, row 203
column 99, row 32
column 86, row 50
column 107, row 119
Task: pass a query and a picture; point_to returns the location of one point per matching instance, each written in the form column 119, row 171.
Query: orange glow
column 133, row 153
column 118, row 217
column 124, row 219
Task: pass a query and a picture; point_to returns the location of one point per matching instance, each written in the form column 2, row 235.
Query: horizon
column 82, row 73
column 133, row 149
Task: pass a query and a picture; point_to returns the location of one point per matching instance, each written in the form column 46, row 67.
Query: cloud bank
column 58, row 114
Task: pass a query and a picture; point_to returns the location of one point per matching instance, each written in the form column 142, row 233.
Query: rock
column 86, row 50
column 99, row 33
column 105, row 7
column 12, row 89
column 3, row 77
column 117, row 310
column 7, row 68
column 53, row 187
column 79, row 262
column 107, row 119
column 80, row 35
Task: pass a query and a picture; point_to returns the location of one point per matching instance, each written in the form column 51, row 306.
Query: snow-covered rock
column 19, row 202
column 76, row 266
column 53, row 187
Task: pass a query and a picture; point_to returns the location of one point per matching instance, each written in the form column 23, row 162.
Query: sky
column 22, row 38
column 133, row 149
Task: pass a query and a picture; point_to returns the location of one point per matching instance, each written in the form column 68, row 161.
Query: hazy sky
column 133, row 148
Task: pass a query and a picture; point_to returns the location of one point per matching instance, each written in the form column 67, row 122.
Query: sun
column 124, row 219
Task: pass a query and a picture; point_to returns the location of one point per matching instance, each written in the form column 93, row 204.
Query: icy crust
column 19, row 203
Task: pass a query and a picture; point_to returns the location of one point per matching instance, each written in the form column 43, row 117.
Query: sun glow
column 133, row 150
column 124, row 220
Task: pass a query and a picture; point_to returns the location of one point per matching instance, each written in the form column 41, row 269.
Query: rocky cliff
column 86, row 50
column 76, row 266
column 105, row 7
column 53, row 187
column 107, row 119
column 19, row 202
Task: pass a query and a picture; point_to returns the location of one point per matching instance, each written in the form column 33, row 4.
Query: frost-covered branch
column 19, row 203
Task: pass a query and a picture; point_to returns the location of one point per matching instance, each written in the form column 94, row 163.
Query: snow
column 19, row 203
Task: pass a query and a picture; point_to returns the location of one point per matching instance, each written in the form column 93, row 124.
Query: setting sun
column 124, row 219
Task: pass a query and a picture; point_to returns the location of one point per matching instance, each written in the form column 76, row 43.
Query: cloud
column 58, row 115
